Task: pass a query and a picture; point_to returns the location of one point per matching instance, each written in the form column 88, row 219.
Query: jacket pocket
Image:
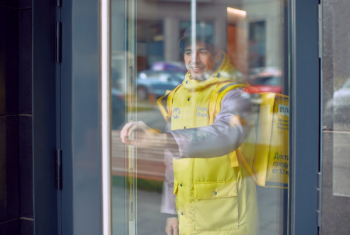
column 215, row 190
column 215, row 206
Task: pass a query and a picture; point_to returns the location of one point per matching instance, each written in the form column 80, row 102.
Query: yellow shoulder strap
column 161, row 107
column 214, row 109
column 169, row 96
column 244, row 162
column 218, row 94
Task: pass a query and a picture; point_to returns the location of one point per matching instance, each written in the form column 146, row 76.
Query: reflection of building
column 269, row 14
column 162, row 23
column 249, row 31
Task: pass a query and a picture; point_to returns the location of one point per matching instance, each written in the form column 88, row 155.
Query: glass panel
column 200, row 116
column 336, row 95
column 336, row 117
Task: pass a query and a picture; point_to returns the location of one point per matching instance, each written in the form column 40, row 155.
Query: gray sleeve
column 168, row 205
column 219, row 138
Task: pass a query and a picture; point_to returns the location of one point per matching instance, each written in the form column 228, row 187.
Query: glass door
column 200, row 117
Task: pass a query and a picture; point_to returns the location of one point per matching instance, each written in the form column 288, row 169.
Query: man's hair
column 183, row 45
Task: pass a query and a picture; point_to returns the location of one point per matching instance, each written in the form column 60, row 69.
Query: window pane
column 200, row 116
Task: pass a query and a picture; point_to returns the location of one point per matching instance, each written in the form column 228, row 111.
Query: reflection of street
column 150, row 163
column 271, row 210
column 149, row 219
column 153, row 118
column 150, row 166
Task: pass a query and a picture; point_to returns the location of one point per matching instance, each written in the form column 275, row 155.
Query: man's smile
column 197, row 68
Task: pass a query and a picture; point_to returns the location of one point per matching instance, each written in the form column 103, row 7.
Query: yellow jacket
column 213, row 195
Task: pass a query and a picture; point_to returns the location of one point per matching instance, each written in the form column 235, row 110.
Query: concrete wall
column 16, row 165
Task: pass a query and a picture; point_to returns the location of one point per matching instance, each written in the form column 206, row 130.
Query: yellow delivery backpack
column 272, row 144
column 264, row 153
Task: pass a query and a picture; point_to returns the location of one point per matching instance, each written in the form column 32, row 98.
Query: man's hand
column 171, row 227
column 130, row 127
column 146, row 137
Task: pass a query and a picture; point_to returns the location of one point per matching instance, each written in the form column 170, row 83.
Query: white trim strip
column 105, row 118
column 193, row 29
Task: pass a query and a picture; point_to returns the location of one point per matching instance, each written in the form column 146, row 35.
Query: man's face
column 200, row 62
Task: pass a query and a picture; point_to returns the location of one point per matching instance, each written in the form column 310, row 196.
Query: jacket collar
column 225, row 72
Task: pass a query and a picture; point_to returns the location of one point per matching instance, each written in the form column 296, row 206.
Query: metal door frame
column 305, row 116
column 81, row 129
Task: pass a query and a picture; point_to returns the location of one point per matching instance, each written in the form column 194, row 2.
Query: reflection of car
column 118, row 108
column 339, row 106
column 169, row 66
column 157, row 82
column 266, row 80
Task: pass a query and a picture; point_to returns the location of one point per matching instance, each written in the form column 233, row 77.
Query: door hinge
column 59, row 169
column 58, row 42
column 319, row 184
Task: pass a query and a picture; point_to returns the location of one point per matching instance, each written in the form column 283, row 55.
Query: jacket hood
column 225, row 72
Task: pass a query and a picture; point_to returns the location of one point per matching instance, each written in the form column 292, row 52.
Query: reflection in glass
column 336, row 108
column 190, row 158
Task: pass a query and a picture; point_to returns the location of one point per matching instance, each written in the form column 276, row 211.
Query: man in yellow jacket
column 207, row 190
